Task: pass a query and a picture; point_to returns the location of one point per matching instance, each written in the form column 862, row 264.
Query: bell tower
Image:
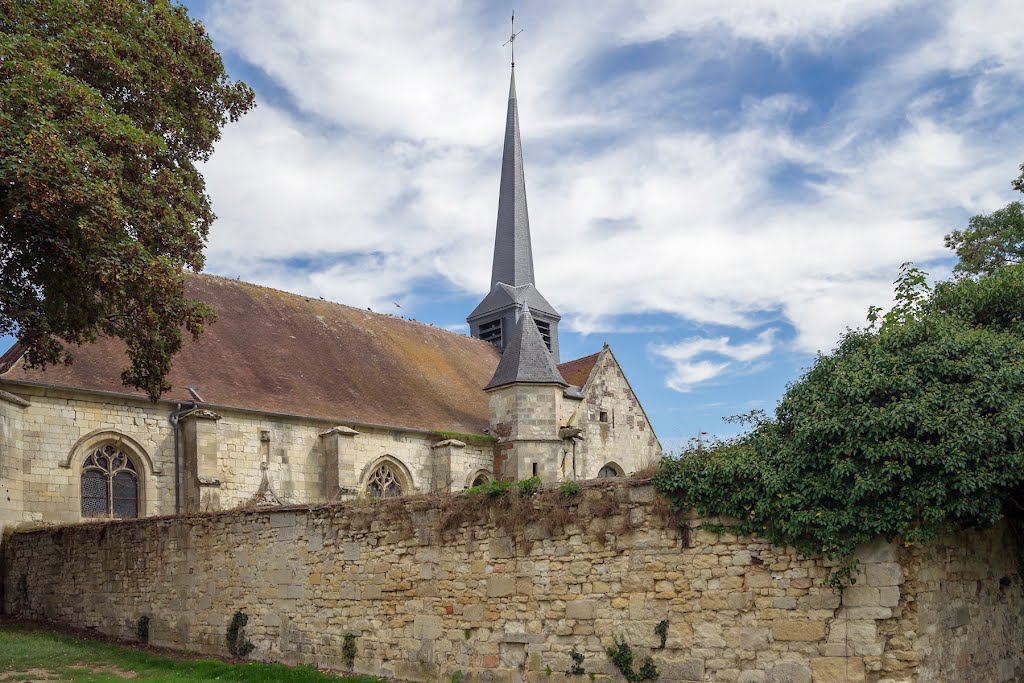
column 512, row 280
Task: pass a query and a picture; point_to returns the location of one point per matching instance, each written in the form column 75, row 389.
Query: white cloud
column 380, row 170
column 691, row 365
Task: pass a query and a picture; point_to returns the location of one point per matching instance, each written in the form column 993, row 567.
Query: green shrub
column 528, row 487
column 569, row 488
column 348, row 650
column 622, row 657
column 238, row 645
column 913, row 430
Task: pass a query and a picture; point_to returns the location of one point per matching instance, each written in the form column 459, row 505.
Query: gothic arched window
column 384, row 482
column 481, row 480
column 607, row 471
column 110, row 484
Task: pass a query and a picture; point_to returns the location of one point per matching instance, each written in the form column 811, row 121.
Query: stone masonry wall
column 624, row 439
column 46, row 433
column 505, row 606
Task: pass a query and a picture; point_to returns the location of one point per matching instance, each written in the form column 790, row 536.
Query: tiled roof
column 285, row 353
column 577, row 372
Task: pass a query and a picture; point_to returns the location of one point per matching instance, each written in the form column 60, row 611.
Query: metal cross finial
column 512, row 39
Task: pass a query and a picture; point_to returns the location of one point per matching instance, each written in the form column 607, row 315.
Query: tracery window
column 481, row 480
column 607, row 471
column 110, row 484
column 384, row 482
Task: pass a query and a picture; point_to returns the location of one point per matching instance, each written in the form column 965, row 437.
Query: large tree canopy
column 913, row 429
column 990, row 241
column 105, row 106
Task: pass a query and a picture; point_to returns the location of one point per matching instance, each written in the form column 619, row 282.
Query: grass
column 32, row 654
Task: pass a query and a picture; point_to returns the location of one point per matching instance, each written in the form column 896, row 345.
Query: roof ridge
column 318, row 299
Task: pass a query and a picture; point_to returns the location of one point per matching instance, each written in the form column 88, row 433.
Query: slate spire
column 526, row 358
column 513, row 253
column 512, row 281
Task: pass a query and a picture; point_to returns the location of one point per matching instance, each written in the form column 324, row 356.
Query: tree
column 912, row 430
column 990, row 242
column 105, row 106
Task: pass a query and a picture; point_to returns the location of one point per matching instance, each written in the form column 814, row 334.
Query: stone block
column 500, row 548
column 500, row 586
column 754, row 638
column 751, row 677
column 884, row 574
column 581, row 609
column 789, row 672
column 889, row 596
column 798, row 629
column 427, row 627
column 863, row 613
column 473, row 612
column 837, row 670
column 860, row 596
column 758, row 578
column 689, row 669
column 878, row 551
column 641, row 494
column 708, row 634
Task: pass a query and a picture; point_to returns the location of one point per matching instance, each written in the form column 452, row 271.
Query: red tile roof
column 578, row 371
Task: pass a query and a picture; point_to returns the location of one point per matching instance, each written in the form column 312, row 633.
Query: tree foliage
column 105, row 106
column 990, row 241
column 912, row 430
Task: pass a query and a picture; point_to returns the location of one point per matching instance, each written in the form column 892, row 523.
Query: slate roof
column 503, row 296
column 526, row 357
column 513, row 252
column 276, row 352
column 285, row 353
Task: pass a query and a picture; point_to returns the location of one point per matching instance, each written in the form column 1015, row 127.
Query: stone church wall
column 46, row 433
column 624, row 438
column 505, row 604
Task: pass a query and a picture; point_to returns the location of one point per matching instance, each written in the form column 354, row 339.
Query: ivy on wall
column 912, row 429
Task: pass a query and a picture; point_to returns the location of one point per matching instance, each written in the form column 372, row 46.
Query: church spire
column 512, row 284
column 513, row 252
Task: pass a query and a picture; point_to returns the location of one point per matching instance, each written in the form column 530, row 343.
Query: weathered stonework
column 561, row 436
column 227, row 457
column 505, row 608
column 614, row 429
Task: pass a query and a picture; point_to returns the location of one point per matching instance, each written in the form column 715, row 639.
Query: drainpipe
column 175, row 419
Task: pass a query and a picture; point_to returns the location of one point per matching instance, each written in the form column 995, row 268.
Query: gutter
column 175, row 418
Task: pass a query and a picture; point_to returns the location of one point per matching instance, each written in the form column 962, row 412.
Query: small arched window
column 384, row 482
column 481, row 480
column 110, row 484
column 607, row 471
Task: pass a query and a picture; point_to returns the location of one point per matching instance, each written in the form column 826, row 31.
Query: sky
column 717, row 189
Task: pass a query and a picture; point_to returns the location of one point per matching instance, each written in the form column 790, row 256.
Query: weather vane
column 512, row 39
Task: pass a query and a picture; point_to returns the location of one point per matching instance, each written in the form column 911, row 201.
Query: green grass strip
column 29, row 654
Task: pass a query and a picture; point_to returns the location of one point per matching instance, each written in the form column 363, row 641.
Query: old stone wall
column 505, row 604
column 12, row 463
column 46, row 434
column 615, row 429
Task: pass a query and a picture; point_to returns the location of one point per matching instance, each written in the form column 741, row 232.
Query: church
column 287, row 399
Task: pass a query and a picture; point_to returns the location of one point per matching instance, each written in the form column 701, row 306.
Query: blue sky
column 717, row 189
